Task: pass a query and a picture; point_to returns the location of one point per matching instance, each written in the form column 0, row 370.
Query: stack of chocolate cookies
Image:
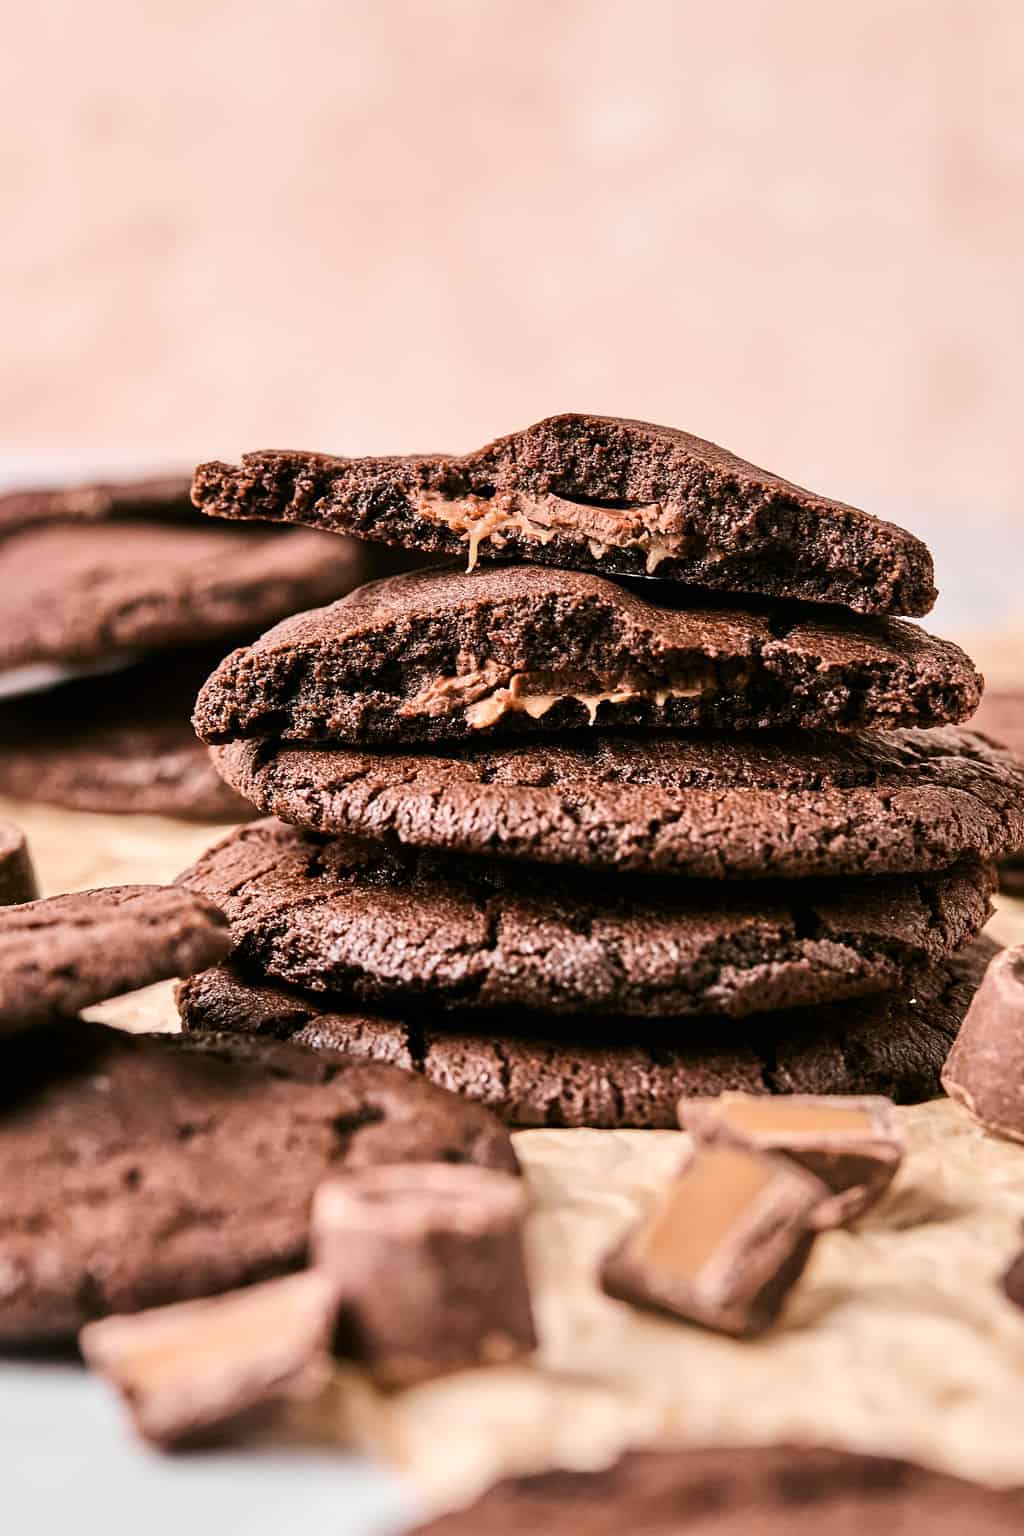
column 672, row 805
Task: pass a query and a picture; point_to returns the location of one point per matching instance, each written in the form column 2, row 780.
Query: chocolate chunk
column 431, row 1267
column 853, row 1145
column 613, row 1074
column 62, row 954
column 986, row 1065
column 600, row 493
column 202, row 1367
column 120, row 742
column 393, row 925
column 89, row 593
column 725, row 1243
column 716, row 807
column 139, row 1170
column 441, row 656
column 17, row 875
column 774, row 1490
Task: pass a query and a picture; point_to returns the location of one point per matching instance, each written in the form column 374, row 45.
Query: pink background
column 794, row 227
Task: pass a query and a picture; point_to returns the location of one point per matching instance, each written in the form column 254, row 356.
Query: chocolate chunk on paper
column 854, row 1145
column 725, row 1243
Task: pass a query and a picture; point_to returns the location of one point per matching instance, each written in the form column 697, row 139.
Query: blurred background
column 374, row 225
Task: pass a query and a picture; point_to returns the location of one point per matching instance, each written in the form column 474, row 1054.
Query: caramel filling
column 649, row 526
column 488, row 693
column 717, row 1188
column 767, row 1118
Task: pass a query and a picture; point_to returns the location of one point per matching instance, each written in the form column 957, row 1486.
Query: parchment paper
column 897, row 1338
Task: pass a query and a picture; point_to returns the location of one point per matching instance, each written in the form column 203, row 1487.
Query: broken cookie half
column 439, row 655
column 598, row 493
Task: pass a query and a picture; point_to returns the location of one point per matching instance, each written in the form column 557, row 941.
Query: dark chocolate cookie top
column 617, row 1074
column 439, row 655
column 118, row 742
column 17, row 874
column 596, row 493
column 64, row 953
column 709, row 806
column 378, row 923
column 733, row 1491
column 85, row 592
column 144, row 1169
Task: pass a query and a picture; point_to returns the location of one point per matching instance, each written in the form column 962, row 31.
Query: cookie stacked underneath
column 578, row 846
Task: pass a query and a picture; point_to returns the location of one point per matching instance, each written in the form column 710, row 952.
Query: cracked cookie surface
column 706, row 806
column 378, row 924
column 66, row 952
column 616, row 1075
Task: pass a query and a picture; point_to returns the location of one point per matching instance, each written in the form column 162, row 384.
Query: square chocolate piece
column 724, row 1244
column 853, row 1144
column 194, row 1369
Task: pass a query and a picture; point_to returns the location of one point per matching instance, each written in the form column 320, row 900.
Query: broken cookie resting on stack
column 577, row 844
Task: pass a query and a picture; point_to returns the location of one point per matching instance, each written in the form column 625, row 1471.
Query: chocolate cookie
column 601, row 494
column 733, row 1491
column 1001, row 717
column 441, row 656
column 119, row 742
column 59, row 955
column 17, row 876
column 709, row 806
column 144, row 1169
column 380, row 924
column 160, row 497
column 73, row 594
column 615, row 1075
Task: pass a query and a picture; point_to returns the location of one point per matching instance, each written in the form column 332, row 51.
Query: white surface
column 71, row 1464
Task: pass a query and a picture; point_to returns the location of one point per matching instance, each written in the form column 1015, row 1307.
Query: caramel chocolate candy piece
column 724, row 1245
column 854, row 1145
column 17, row 876
column 985, row 1069
column 188, row 1370
column 431, row 1268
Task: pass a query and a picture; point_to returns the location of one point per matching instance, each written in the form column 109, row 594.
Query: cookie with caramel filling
column 442, row 656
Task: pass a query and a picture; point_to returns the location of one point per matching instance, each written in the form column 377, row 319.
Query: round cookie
column 740, row 1491
column 713, row 807
column 119, row 742
column 82, row 592
column 614, row 1076
column 144, row 1169
column 595, row 492
column 17, row 875
column 62, row 954
column 445, row 656
column 385, row 924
